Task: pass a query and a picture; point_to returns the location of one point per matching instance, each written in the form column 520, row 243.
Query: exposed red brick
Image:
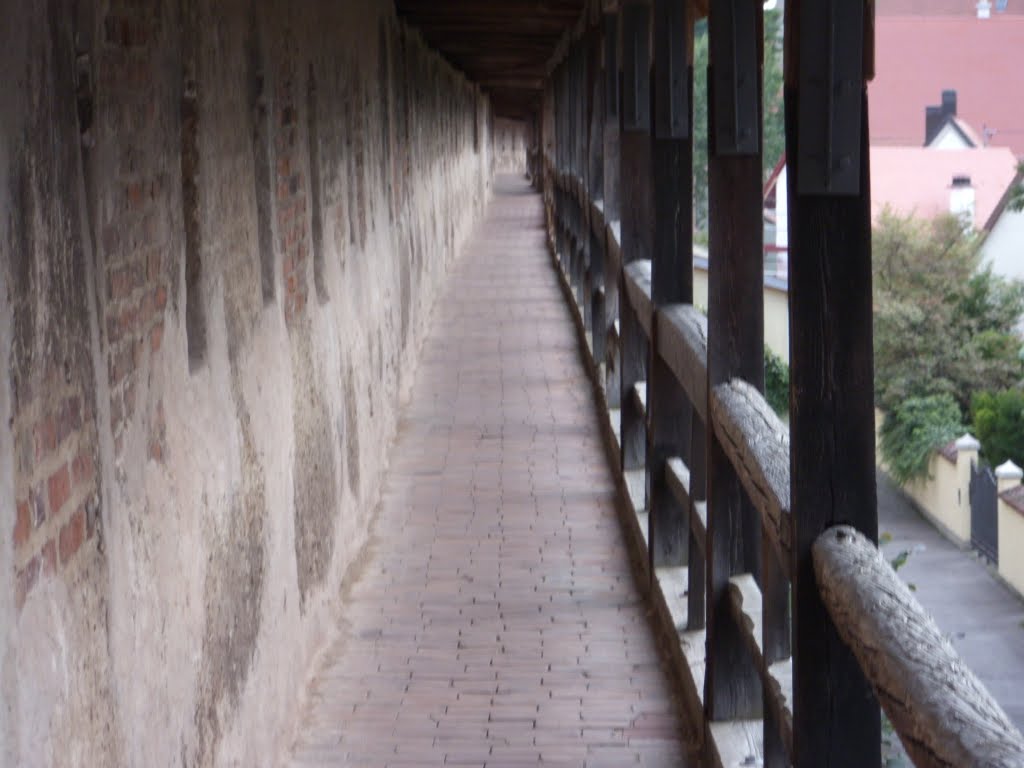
column 155, row 265
column 119, row 283
column 59, row 489
column 135, row 194
column 156, row 337
column 82, row 469
column 147, row 306
column 22, row 523
column 161, row 297
column 156, row 450
column 45, row 434
column 70, row 419
column 72, row 535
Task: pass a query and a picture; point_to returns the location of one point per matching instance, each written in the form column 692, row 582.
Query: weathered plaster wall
column 222, row 224
column 510, row 144
column 776, row 308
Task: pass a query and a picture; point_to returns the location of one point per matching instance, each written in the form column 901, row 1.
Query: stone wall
column 222, row 224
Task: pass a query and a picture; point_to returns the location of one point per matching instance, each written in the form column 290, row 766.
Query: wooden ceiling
column 503, row 45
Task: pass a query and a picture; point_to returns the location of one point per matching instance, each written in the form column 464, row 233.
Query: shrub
column 914, row 429
column 998, row 422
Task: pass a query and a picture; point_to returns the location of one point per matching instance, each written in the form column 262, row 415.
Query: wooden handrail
column 637, row 277
column 944, row 715
column 757, row 444
column 683, row 344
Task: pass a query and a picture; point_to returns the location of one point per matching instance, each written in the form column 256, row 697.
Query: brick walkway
column 497, row 622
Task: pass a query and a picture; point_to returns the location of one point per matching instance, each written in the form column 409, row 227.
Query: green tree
column 774, row 135
column 1017, row 196
column 942, row 326
column 998, row 422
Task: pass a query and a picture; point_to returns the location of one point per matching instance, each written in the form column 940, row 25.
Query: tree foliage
column 1017, row 196
column 776, row 383
column 998, row 422
column 945, row 330
column 942, row 325
column 914, row 429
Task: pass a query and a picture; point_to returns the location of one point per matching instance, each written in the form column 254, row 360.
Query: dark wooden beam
column 735, row 335
column 669, row 411
column 637, row 208
column 836, row 719
column 610, row 196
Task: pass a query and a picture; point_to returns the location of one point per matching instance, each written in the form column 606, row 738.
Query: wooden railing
column 942, row 713
column 786, row 625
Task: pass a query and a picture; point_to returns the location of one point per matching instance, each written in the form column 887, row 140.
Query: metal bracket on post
column 671, row 71
column 831, row 81
column 636, row 77
column 736, row 77
column 611, row 65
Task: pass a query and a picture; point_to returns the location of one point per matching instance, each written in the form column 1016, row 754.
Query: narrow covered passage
column 496, row 621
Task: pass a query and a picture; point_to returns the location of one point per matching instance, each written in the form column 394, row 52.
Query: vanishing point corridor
column 496, row 621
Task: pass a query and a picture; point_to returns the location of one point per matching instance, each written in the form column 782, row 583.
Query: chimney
column 936, row 116
column 949, row 103
column 984, row 9
column 961, row 200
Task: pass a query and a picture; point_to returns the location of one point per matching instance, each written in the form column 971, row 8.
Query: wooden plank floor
column 497, row 623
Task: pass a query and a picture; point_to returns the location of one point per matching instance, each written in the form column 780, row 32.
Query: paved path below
column 983, row 618
column 497, row 623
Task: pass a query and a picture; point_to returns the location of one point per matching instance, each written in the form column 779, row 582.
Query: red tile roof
column 941, row 7
column 916, row 180
column 916, row 58
column 1014, row 497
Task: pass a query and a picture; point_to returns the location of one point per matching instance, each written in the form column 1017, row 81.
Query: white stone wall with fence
column 944, row 497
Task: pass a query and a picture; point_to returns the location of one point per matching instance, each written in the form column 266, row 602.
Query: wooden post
column 637, row 215
column 595, row 188
column 696, row 558
column 577, row 63
column 836, row 719
column 611, row 200
column 563, row 135
column 735, row 334
column 669, row 412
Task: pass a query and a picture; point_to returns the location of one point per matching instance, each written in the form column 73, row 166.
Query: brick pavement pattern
column 497, row 622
